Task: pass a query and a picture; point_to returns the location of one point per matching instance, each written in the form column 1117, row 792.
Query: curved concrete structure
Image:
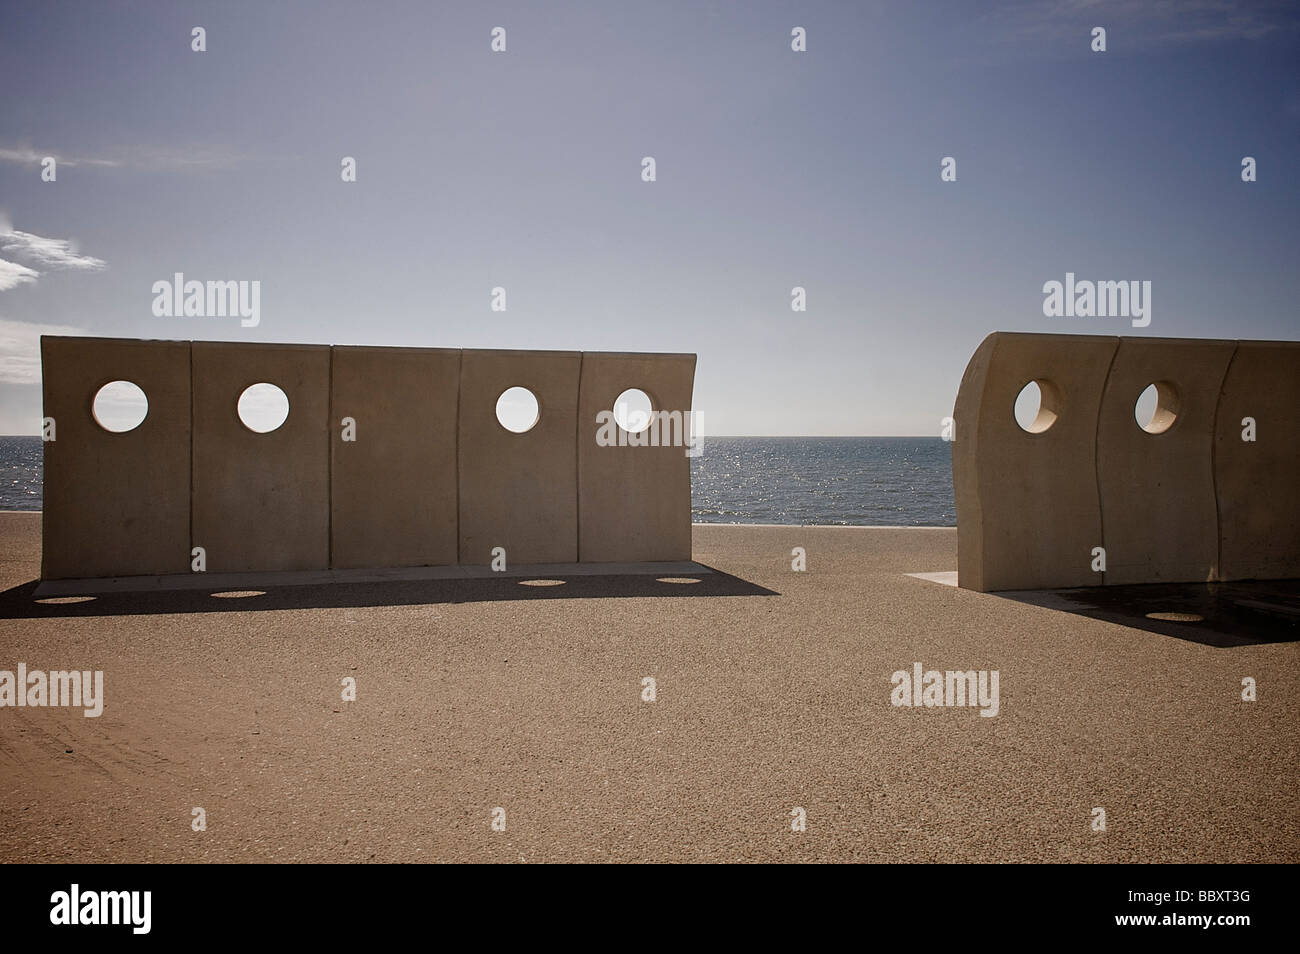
column 1188, row 500
column 389, row 457
column 1259, row 508
column 1158, row 510
column 1028, row 511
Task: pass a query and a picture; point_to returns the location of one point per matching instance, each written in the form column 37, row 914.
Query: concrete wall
column 261, row 501
column 634, row 502
column 1259, row 508
column 1028, row 512
column 393, row 501
column 431, row 478
column 1191, row 503
column 519, row 491
column 116, row 504
column 1159, row 516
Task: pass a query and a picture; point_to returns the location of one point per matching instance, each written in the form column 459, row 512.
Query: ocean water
column 851, row 481
column 20, row 473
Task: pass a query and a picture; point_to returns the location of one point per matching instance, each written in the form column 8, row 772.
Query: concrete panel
column 261, row 501
column 1158, row 509
column 1028, row 513
column 393, row 500
column 519, row 491
column 116, row 504
column 634, row 502
column 1259, row 509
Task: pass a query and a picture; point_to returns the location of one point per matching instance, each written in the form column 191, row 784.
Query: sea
column 841, row 481
column 20, row 473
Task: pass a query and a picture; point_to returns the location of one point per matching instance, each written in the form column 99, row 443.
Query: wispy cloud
column 12, row 275
column 153, row 158
column 47, row 253
column 40, row 254
column 26, row 155
column 20, row 349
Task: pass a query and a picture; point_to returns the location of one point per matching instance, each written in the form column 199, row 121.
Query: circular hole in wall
column 676, row 579
column 541, row 582
column 1037, row 406
column 633, row 410
column 518, row 410
column 263, row 407
column 1156, row 407
column 120, row 406
column 60, row 600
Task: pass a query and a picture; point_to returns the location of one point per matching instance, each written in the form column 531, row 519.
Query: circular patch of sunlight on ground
column 676, row 579
column 1177, row 617
column 237, row 594
column 66, row 599
column 541, row 582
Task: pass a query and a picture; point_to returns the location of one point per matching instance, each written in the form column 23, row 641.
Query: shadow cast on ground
column 1245, row 613
column 21, row 602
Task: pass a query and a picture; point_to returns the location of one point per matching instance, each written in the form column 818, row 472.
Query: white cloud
column 12, row 275
column 26, row 155
column 136, row 157
column 47, row 253
column 20, row 349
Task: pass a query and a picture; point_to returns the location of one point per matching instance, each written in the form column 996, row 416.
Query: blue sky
column 522, row 170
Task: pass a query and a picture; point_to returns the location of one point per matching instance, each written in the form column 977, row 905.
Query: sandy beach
column 772, row 692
